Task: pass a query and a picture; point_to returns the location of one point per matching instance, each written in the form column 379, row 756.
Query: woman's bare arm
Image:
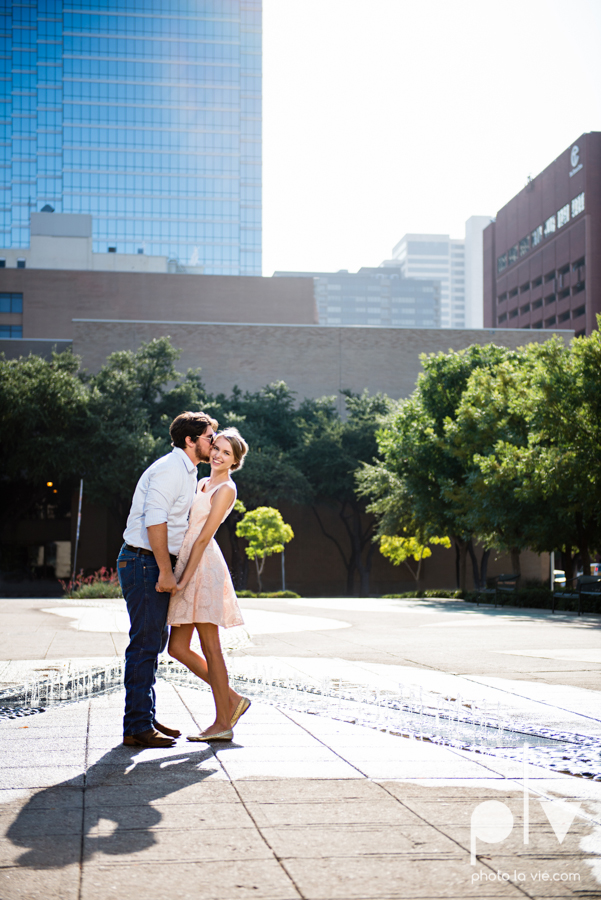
column 220, row 503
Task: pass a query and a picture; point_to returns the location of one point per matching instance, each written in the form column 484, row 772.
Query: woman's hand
column 180, row 585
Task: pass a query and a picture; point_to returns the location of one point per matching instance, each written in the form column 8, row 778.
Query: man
column 153, row 536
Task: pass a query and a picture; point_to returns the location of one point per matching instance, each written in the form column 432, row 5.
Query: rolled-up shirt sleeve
column 163, row 491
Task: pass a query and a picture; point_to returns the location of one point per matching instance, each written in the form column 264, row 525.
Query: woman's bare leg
column 218, row 677
column 179, row 648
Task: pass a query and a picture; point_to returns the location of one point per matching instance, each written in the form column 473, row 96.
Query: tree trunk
column 259, row 570
column 475, row 570
column 349, row 562
column 457, row 563
column 567, row 564
column 516, row 568
column 366, row 571
column 484, row 567
column 461, row 562
column 583, row 544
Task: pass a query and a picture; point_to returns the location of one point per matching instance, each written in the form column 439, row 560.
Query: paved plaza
column 302, row 805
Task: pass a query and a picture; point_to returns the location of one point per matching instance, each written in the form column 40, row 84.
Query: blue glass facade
column 145, row 114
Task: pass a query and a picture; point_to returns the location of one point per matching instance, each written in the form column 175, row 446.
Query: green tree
column 418, row 487
column 400, row 549
column 332, row 452
column 45, row 422
column 266, row 533
column 537, row 483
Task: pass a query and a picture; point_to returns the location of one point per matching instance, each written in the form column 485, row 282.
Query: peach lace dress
column 209, row 596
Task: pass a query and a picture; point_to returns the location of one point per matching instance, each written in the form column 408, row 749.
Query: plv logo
column 492, row 821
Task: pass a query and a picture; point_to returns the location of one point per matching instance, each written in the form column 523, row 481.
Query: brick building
column 542, row 255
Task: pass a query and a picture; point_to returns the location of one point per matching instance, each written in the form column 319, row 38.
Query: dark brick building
column 542, row 255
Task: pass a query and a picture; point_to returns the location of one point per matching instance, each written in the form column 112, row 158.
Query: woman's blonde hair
column 237, row 443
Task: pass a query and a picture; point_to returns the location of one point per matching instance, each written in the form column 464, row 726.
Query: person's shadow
column 55, row 828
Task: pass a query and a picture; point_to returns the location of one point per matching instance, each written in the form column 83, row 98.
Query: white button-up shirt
column 164, row 493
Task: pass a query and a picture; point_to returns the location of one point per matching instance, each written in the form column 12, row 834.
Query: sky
column 383, row 117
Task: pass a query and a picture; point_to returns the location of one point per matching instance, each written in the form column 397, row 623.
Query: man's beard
column 202, row 456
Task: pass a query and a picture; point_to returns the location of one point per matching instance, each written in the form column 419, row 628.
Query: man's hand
column 166, row 582
column 157, row 535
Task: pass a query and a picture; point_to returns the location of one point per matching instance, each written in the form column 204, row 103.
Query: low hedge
column 415, row 595
column 284, row 595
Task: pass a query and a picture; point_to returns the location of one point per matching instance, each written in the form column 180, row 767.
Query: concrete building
column 374, row 296
column 65, row 241
column 146, row 116
column 542, row 255
column 474, row 270
column 456, row 264
column 439, row 257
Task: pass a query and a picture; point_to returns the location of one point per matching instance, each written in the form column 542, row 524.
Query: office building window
column 2, row 263
column 578, row 312
column 564, row 316
column 563, row 215
column 502, row 263
column 20, row 264
column 537, row 281
column 10, row 331
column 512, row 254
column 578, row 204
column 537, row 236
column 550, row 322
column 549, row 227
column 11, row 303
column 524, row 246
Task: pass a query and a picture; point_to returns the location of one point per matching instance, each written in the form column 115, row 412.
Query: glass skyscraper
column 145, row 114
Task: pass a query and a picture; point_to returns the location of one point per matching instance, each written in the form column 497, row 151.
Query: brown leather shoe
column 150, row 738
column 170, row 732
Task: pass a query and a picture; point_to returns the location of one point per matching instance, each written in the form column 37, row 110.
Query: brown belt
column 146, row 552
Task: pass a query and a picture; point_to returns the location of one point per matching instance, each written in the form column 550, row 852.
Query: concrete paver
column 298, row 805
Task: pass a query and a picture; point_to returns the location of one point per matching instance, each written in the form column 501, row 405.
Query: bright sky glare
column 383, row 117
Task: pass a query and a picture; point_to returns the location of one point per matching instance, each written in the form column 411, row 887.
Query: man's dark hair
column 190, row 424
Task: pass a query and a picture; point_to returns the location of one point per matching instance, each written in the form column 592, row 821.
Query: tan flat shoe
column 220, row 736
column 243, row 705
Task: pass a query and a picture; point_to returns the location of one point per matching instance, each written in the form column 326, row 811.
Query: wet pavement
column 307, row 800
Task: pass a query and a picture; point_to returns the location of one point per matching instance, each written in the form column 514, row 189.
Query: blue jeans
column 148, row 636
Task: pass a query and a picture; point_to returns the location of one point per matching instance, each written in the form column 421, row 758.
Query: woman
column 205, row 597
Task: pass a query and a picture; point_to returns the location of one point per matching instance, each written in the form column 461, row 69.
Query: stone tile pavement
column 297, row 806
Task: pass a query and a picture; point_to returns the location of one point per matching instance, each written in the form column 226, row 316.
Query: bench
column 505, row 586
column 587, row 587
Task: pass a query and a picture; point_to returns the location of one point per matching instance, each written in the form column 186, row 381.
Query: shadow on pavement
column 55, row 826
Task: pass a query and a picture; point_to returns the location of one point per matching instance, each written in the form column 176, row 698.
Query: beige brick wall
column 312, row 360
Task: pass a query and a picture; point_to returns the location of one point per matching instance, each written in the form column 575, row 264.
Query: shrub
column 271, row 594
column 425, row 595
column 102, row 585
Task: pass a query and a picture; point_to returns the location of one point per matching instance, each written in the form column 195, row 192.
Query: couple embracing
column 172, row 573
